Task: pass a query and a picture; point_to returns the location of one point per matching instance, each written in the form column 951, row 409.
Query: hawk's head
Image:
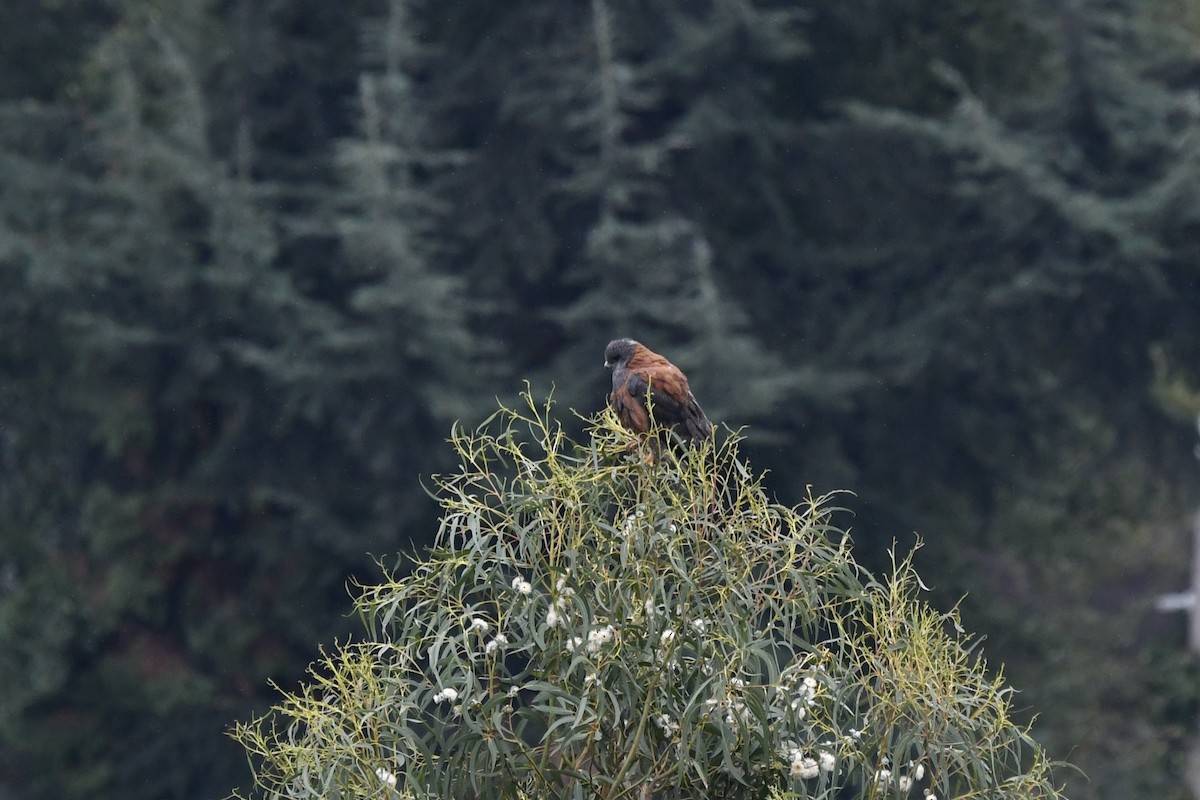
column 618, row 352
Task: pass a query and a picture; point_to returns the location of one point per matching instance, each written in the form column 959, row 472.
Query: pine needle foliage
column 613, row 619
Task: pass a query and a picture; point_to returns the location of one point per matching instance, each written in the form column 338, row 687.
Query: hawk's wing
column 650, row 384
column 667, row 408
column 673, row 403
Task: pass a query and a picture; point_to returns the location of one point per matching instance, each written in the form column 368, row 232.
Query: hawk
column 638, row 374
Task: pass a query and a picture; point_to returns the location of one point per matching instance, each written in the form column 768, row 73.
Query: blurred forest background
column 257, row 256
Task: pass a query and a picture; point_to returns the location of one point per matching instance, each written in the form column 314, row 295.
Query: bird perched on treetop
column 638, row 374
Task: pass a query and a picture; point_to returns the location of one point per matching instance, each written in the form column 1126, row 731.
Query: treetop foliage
column 609, row 618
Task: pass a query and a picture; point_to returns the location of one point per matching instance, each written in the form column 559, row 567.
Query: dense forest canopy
column 257, row 257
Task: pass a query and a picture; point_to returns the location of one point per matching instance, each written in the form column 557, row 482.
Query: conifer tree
column 599, row 113
column 159, row 263
column 40, row 429
column 1030, row 253
column 238, row 432
column 410, row 342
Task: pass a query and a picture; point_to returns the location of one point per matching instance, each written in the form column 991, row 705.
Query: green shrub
column 619, row 619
